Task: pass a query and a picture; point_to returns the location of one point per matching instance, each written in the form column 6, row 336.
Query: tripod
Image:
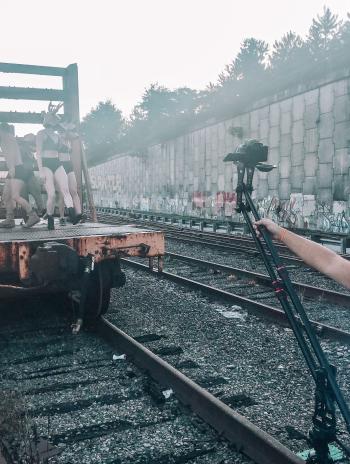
column 327, row 393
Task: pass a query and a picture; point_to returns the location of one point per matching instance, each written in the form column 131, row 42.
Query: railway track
column 244, row 360
column 253, row 292
column 211, row 238
column 89, row 397
column 244, row 277
column 224, row 226
column 222, row 242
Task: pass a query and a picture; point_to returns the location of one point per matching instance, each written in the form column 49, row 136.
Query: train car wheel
column 98, row 294
column 99, row 291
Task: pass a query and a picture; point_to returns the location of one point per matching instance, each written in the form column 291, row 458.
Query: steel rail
column 334, row 236
column 249, row 439
column 213, row 240
column 188, row 237
column 254, row 307
column 307, row 290
column 238, row 248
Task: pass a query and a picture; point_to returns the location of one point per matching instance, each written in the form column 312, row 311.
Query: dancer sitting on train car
column 68, row 134
column 48, row 143
column 18, row 176
column 313, row 254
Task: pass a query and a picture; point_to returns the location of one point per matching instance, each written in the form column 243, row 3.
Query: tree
column 186, row 101
column 323, row 33
column 156, row 103
column 162, row 113
column 249, row 62
column 344, row 34
column 102, row 130
column 159, row 102
column 287, row 51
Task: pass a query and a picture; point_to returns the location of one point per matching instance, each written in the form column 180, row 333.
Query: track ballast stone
column 90, row 402
column 253, row 365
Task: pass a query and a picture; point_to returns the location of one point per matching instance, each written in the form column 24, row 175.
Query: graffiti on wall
column 303, row 211
column 220, row 204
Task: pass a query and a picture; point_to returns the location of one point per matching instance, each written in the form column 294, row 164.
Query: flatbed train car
column 83, row 260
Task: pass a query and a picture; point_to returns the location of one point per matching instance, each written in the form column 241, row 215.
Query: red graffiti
column 198, row 199
column 225, row 197
column 221, row 203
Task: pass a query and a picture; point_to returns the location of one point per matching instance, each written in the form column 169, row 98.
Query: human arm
column 313, row 254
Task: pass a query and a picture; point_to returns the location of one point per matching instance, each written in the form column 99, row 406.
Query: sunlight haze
column 121, row 47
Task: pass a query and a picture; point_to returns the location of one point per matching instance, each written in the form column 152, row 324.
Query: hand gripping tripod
column 327, row 393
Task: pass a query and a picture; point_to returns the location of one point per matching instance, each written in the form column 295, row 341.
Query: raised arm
column 313, row 254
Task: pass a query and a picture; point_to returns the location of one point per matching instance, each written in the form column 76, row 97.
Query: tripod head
column 248, row 156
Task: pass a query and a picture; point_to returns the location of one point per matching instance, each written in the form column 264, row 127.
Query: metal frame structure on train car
column 69, row 95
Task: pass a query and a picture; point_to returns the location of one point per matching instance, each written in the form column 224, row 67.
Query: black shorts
column 68, row 166
column 22, row 173
column 52, row 163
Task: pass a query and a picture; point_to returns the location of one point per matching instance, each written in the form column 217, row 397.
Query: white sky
column 122, row 46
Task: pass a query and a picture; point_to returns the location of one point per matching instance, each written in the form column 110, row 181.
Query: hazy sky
column 122, row 46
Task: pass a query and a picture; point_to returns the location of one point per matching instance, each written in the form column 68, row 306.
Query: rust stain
column 15, row 255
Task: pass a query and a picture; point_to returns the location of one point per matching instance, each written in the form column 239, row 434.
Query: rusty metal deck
column 88, row 229
column 99, row 240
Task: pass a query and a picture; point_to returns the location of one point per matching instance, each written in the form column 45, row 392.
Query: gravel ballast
column 251, row 364
column 91, row 402
column 318, row 308
column 251, row 263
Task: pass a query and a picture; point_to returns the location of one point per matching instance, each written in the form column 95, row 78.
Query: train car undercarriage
column 81, row 261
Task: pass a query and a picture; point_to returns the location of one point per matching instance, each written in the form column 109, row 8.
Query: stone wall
column 308, row 133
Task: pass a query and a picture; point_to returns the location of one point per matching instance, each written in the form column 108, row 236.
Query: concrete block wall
column 308, row 134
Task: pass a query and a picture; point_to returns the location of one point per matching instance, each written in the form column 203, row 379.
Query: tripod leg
column 282, row 296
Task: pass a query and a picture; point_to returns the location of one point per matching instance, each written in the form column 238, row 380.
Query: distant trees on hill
column 255, row 72
column 102, row 131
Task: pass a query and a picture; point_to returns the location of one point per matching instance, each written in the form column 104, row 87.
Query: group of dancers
column 53, row 160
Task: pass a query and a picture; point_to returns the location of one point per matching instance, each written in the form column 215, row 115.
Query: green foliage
column 159, row 102
column 249, row 62
column 163, row 113
column 101, row 131
column 323, row 33
column 344, row 34
column 289, row 48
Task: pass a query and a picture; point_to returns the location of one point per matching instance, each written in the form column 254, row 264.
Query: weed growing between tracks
column 17, row 432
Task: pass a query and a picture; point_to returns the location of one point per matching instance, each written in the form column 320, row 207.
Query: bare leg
column 61, row 180
column 16, row 189
column 61, row 205
column 7, row 200
column 61, row 210
column 50, row 190
column 73, row 189
column 34, row 189
column 9, row 222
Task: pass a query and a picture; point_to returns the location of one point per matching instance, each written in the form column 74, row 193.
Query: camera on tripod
column 250, row 153
column 248, row 156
